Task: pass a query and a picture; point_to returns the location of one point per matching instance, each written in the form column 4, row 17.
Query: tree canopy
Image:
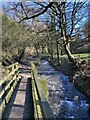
column 50, row 26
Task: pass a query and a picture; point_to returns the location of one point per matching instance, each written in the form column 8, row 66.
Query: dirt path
column 65, row 100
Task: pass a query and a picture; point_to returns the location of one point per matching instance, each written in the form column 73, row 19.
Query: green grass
column 67, row 66
column 68, row 69
column 85, row 56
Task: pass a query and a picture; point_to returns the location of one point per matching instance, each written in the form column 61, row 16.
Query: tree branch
column 38, row 13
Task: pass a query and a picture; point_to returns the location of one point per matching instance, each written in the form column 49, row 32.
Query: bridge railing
column 8, row 84
column 40, row 96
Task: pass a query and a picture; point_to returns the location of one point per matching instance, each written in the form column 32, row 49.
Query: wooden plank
column 2, row 106
column 44, row 85
column 6, row 77
column 7, row 86
column 39, row 112
column 10, row 66
column 45, row 108
column 14, row 80
column 34, row 101
column 8, row 96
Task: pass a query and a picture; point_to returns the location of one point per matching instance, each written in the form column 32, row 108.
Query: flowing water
column 65, row 100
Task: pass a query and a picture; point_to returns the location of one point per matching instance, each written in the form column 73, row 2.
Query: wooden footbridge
column 23, row 96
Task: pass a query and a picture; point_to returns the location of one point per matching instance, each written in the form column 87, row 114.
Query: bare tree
column 67, row 13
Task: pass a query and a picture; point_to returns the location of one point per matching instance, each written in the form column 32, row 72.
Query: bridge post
column 5, row 83
column 44, row 85
column 6, row 71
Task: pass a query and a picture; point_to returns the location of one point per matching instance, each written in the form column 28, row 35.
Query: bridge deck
column 21, row 103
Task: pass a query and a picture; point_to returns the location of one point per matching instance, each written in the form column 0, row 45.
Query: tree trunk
column 57, row 51
column 69, row 54
column 36, row 50
column 77, row 62
column 66, row 41
column 42, row 49
column 50, row 50
column 52, row 56
column 65, row 36
column 21, row 54
column 62, row 52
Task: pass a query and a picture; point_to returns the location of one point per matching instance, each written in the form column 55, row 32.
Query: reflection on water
column 65, row 100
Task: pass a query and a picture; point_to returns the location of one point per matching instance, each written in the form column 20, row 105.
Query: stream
column 64, row 99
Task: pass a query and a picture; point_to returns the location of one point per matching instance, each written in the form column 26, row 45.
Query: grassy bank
column 81, row 81
column 68, row 67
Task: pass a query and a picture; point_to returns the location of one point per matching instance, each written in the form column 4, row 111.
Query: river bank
column 65, row 100
column 78, row 77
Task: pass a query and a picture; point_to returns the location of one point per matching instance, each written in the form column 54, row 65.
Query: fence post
column 12, row 68
column 44, row 85
column 17, row 72
column 6, row 73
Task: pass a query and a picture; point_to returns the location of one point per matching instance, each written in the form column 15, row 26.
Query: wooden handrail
column 41, row 105
column 12, row 65
column 8, row 84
